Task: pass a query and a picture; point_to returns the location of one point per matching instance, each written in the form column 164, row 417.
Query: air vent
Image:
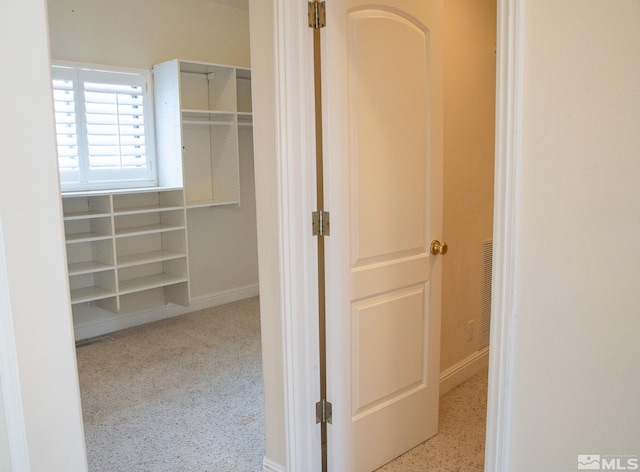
column 91, row 341
column 485, row 314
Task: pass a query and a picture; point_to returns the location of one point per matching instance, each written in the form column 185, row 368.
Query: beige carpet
column 459, row 444
column 183, row 394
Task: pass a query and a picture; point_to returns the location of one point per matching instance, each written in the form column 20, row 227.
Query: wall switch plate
column 469, row 330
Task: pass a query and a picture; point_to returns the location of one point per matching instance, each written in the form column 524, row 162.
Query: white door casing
column 383, row 170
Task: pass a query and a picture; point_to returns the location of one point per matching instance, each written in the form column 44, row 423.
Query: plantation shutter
column 114, row 113
column 64, row 103
column 103, row 138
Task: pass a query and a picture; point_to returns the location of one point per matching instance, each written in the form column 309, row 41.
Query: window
column 104, row 128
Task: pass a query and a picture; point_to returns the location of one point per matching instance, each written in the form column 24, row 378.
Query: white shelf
column 210, row 114
column 208, row 204
column 77, row 268
column 145, row 209
column 106, row 194
column 88, row 294
column 149, row 282
column 148, row 257
column 149, row 229
column 207, row 122
column 85, row 215
column 85, row 237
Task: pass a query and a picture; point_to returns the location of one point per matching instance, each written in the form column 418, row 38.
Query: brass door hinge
column 320, row 223
column 323, row 412
column 317, row 15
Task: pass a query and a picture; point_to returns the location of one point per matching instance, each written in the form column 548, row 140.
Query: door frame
column 294, row 133
column 294, row 119
column 506, row 214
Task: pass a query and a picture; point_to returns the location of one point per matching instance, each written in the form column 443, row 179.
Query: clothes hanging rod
column 203, row 122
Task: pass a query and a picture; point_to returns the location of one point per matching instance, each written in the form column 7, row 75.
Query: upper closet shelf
column 199, row 108
column 207, row 117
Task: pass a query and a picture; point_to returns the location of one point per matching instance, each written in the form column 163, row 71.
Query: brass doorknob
column 438, row 248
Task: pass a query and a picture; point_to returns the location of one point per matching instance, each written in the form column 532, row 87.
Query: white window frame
column 102, row 179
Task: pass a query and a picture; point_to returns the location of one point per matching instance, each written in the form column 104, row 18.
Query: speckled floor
column 459, row 445
column 183, row 394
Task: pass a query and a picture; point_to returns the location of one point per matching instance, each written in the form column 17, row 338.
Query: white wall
column 39, row 367
column 5, row 452
column 261, row 20
column 576, row 358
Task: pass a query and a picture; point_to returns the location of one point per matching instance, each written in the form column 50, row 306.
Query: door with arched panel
column 382, row 75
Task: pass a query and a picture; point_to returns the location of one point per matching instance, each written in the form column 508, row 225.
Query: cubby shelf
column 208, row 203
column 86, row 237
column 149, row 229
column 148, row 257
column 145, row 209
column 149, row 282
column 142, row 246
column 89, row 294
column 88, row 267
column 83, row 215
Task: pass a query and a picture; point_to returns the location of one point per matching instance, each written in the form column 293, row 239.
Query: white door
column 383, row 169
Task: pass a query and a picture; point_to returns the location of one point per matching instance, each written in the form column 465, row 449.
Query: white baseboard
column 270, row 466
column 463, row 370
column 116, row 322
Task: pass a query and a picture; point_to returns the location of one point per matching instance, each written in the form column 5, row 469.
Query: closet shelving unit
column 199, row 107
column 126, row 242
column 123, row 243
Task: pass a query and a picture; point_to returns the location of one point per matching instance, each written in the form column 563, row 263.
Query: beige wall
column 575, row 352
column 469, row 115
column 223, row 251
column 145, row 32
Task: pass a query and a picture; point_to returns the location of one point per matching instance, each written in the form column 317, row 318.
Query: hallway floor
column 459, row 445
